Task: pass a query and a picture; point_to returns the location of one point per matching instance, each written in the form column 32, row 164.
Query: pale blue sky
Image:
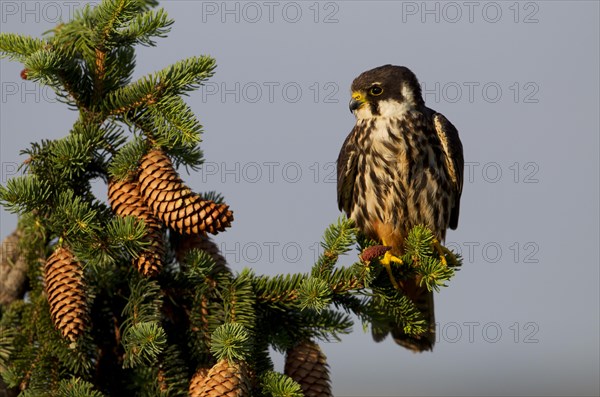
column 521, row 83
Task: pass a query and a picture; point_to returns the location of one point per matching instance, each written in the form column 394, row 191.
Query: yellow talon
column 386, row 262
column 388, row 259
column 443, row 252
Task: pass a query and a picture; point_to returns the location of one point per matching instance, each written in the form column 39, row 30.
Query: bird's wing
column 346, row 173
column 454, row 160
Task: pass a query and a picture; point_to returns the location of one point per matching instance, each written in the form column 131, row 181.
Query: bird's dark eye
column 376, row 90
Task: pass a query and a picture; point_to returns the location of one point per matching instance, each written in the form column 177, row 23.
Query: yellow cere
column 357, row 96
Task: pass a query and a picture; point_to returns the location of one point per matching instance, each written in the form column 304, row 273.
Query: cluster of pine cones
column 158, row 197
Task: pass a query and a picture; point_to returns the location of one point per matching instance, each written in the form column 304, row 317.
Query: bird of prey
column 401, row 166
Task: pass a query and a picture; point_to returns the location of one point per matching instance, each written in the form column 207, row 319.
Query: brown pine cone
column 126, row 200
column 174, row 203
column 184, row 243
column 65, row 289
column 307, row 365
column 227, row 379
column 197, row 382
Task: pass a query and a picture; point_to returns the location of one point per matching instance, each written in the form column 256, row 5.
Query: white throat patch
column 396, row 109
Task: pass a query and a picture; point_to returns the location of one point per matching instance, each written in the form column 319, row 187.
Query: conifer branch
column 144, row 27
column 143, row 336
column 76, row 387
column 276, row 384
column 19, row 48
column 24, row 194
column 179, row 78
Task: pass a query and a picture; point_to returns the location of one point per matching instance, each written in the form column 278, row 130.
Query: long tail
column 423, row 300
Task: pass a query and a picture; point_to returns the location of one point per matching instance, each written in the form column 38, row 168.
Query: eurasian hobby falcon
column 401, row 166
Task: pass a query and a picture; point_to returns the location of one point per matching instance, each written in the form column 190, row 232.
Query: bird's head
column 386, row 91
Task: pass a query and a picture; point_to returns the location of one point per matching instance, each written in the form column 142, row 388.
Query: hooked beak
column 356, row 101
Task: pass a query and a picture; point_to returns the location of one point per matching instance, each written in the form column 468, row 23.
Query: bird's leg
column 443, row 252
column 387, row 261
column 438, row 248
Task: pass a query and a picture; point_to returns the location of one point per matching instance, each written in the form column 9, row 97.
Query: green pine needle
column 434, row 274
column 144, row 27
column 231, row 341
column 127, row 233
column 337, row 240
column 389, row 305
column 170, row 376
column 12, row 377
column 278, row 289
column 144, row 302
column 198, row 265
column 24, row 194
column 42, row 65
column 17, row 47
column 76, row 387
column 143, row 342
column 340, row 236
column 238, row 300
column 327, row 325
column 75, row 216
column 213, row 196
column 175, row 123
column 7, row 336
column 275, row 384
column 179, row 78
column 111, row 16
column 72, row 156
column 419, row 242
column 126, row 161
column 314, row 294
